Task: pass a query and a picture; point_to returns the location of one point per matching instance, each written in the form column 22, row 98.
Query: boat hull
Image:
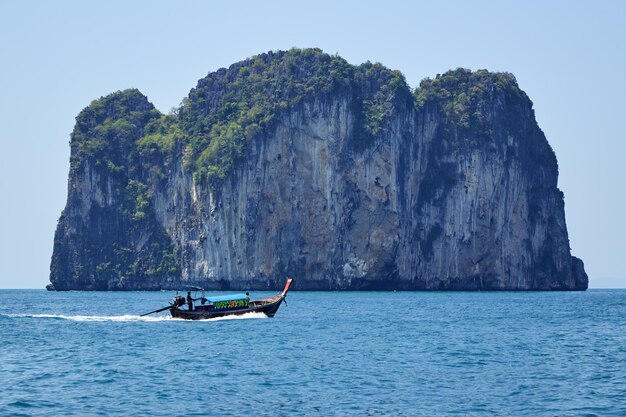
column 268, row 309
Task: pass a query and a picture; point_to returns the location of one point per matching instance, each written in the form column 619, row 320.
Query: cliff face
column 297, row 163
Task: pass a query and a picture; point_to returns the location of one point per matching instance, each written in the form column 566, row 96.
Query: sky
column 56, row 57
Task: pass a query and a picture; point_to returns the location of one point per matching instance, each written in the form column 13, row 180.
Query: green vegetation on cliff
column 464, row 98
column 106, row 130
column 229, row 107
column 380, row 90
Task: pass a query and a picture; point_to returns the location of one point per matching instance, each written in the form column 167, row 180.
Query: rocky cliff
column 298, row 163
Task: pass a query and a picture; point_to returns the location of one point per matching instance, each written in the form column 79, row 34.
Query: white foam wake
column 241, row 317
column 126, row 317
column 129, row 318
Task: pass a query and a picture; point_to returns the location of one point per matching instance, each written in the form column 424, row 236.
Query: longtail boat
column 223, row 305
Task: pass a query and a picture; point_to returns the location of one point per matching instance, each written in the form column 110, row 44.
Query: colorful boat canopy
column 216, row 298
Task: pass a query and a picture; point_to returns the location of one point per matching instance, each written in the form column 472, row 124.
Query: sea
column 323, row 354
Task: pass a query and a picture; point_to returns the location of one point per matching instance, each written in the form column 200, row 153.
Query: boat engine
column 178, row 301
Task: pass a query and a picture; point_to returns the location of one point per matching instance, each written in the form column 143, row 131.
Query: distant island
column 298, row 163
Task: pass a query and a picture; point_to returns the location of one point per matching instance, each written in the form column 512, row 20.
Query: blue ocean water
column 324, row 354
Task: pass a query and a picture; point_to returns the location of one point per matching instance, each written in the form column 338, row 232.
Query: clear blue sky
column 55, row 57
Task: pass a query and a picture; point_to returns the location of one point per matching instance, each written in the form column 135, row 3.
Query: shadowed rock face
column 297, row 163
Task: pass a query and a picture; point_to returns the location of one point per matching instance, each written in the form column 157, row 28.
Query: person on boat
column 189, row 301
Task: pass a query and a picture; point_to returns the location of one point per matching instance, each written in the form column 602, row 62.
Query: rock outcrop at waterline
column 298, row 163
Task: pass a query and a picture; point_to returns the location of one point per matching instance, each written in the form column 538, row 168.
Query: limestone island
column 298, row 163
